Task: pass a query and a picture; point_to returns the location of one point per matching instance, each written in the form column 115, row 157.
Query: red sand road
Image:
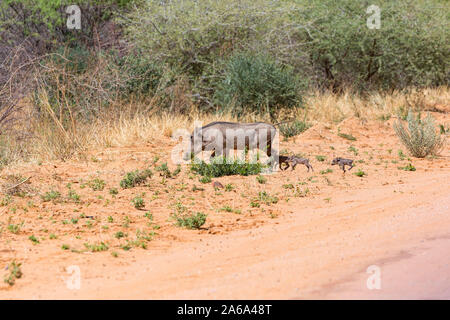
column 318, row 251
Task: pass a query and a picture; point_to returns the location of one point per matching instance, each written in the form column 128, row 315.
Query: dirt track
column 311, row 254
column 398, row 221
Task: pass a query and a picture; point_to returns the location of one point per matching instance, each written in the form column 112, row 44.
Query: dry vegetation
column 85, row 153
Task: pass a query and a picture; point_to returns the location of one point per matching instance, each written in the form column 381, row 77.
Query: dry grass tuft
column 52, row 136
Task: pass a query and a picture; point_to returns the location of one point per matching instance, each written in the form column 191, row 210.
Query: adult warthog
column 220, row 137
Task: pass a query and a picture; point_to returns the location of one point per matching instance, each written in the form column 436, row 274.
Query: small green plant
column 261, row 179
column 420, row 138
column 346, row 136
column 65, row 247
column 205, row 179
column 15, row 228
column 229, row 187
column 14, row 273
column 50, row 195
column 126, row 222
column 192, row 221
column 113, row 191
column 52, row 236
column 97, row 184
column 110, row 219
column 96, row 247
column 226, row 209
column 72, row 195
column 165, row 172
column 33, row 239
column 263, row 196
column 408, row 167
column 114, row 254
column 326, row 171
column 255, row 204
column 6, row 200
column 321, row 158
column 119, row 235
column 195, row 188
column 444, row 130
column 135, row 178
column 149, row 216
column 360, row 173
column 353, row 149
column 138, row 202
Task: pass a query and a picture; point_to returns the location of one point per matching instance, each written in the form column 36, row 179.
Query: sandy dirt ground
column 315, row 241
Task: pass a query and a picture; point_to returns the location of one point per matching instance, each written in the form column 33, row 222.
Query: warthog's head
column 335, row 161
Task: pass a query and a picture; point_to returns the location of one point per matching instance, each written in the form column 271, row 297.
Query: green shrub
column 222, row 166
column 193, row 221
column 408, row 167
column 165, row 172
column 14, row 273
column 205, row 179
column 50, row 195
column 325, row 41
column 96, row 247
column 138, row 202
column 293, row 129
column 346, row 136
column 256, row 83
column 320, row 158
column 421, row 137
column 97, row 184
column 261, row 179
column 263, row 196
column 135, row 178
column 360, row 173
column 142, row 73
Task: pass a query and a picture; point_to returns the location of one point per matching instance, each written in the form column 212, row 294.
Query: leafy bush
column 407, row 50
column 256, row 83
column 421, row 137
column 166, row 173
column 97, row 184
column 14, row 273
column 325, row 41
column 408, row 167
column 193, row 221
column 294, row 128
column 360, row 173
column 50, row 195
column 134, row 178
column 96, row 247
column 138, row 202
column 143, row 74
column 222, row 166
